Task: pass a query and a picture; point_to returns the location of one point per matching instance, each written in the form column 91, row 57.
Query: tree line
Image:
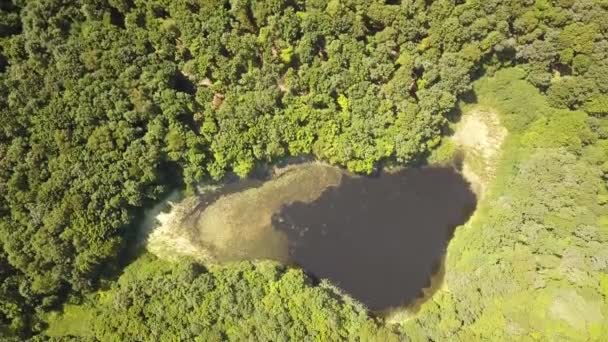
column 107, row 104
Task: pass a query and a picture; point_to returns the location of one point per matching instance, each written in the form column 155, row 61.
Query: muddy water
column 234, row 222
column 378, row 238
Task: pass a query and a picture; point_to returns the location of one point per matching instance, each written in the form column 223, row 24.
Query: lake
column 380, row 238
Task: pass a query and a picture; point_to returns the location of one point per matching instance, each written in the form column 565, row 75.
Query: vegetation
column 107, row 104
column 531, row 264
column 156, row 300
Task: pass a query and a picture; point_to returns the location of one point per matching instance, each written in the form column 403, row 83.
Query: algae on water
column 238, row 225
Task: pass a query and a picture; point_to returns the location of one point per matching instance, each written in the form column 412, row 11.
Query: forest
column 108, row 105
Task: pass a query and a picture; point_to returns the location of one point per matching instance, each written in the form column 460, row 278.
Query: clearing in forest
column 479, row 135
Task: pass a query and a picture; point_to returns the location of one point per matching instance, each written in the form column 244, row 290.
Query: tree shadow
column 183, row 84
column 117, row 18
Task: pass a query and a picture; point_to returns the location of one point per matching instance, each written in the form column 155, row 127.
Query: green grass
column 74, row 320
column 518, row 102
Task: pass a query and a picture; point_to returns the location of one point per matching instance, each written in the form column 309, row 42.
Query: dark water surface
column 379, row 238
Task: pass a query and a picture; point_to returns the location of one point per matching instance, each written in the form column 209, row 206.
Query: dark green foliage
column 570, row 92
column 106, row 104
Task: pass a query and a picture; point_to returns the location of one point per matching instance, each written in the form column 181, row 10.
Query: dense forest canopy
column 105, row 105
column 159, row 301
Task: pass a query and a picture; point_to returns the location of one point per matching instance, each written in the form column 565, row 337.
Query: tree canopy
column 107, row 104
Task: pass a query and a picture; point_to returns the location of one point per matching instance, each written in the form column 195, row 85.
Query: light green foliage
column 597, row 106
column 505, row 92
column 531, row 265
column 74, row 320
column 578, row 37
column 445, row 153
column 158, row 301
column 287, row 55
column 106, row 105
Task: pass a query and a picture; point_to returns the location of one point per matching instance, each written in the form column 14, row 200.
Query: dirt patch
column 238, row 226
column 480, row 135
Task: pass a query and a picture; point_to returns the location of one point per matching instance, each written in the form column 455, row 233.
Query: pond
column 380, row 239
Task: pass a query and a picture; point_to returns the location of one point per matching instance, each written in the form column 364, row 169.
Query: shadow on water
column 380, row 239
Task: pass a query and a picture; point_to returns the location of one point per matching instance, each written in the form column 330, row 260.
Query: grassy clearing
column 74, row 320
column 479, row 135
